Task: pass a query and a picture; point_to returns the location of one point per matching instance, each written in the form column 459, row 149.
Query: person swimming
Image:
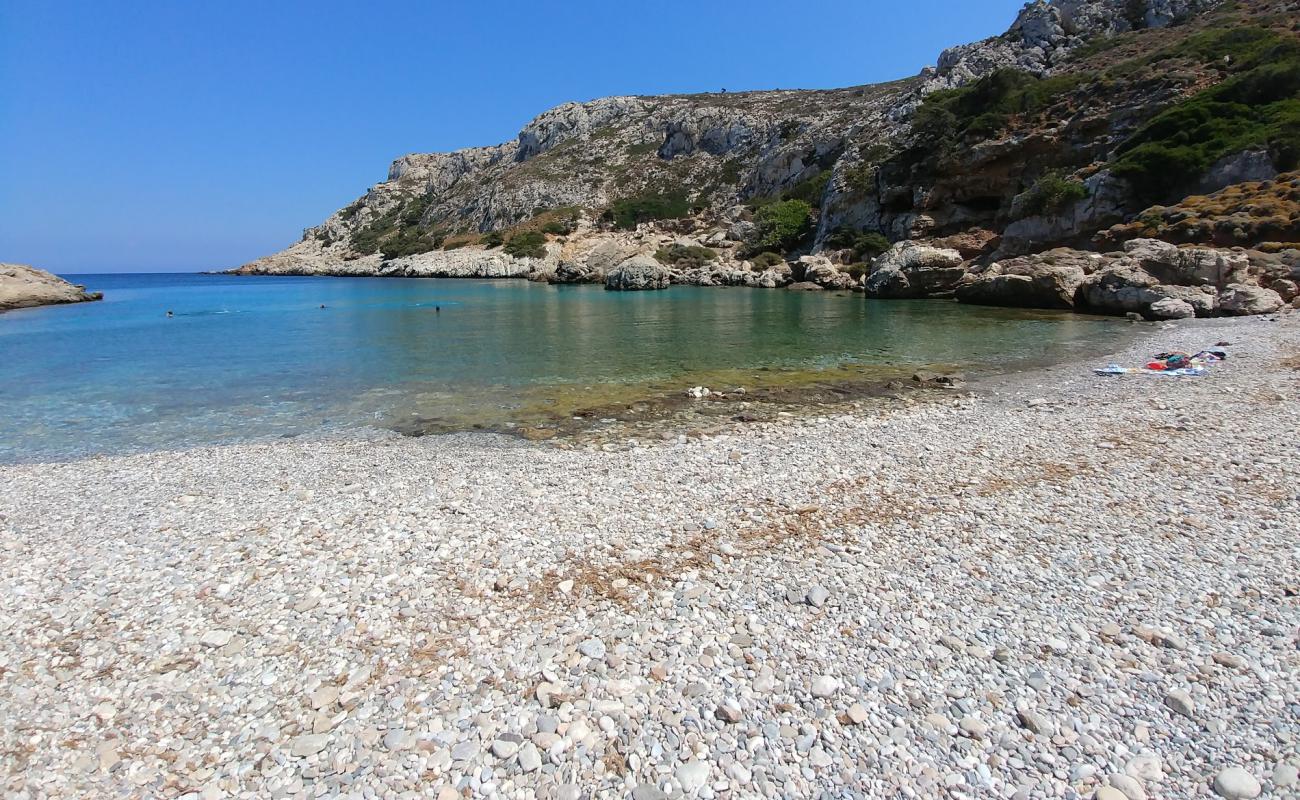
column 322, row 305
column 437, row 309
column 170, row 314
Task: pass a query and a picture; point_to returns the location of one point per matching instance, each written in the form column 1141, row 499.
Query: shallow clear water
column 252, row 357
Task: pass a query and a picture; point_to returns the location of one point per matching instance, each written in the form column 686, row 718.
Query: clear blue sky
column 156, row 136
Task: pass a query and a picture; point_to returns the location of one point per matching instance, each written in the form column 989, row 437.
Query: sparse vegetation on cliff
column 528, row 244
column 684, row 256
column 1052, row 193
column 628, row 212
column 1257, row 107
column 864, row 244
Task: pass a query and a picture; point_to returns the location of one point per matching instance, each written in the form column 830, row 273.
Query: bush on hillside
column 1051, row 194
column 631, row 211
column 529, row 244
column 685, row 256
column 767, row 260
column 864, row 244
column 783, row 225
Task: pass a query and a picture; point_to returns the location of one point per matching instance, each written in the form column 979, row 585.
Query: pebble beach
column 1055, row 585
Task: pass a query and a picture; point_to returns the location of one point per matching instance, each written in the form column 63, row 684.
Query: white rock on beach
column 1236, row 783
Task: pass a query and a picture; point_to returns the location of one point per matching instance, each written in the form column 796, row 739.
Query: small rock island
column 22, row 286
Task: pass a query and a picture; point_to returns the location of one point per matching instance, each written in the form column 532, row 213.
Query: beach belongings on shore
column 1175, row 363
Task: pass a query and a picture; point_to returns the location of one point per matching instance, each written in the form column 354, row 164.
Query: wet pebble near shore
column 1059, row 586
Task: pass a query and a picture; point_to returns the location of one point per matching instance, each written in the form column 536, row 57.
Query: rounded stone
column 1236, row 783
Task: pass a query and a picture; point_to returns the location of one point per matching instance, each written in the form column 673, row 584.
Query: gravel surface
column 1061, row 585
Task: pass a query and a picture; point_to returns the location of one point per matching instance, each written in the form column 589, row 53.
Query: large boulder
column 909, row 269
column 1171, row 308
column 1045, row 280
column 22, row 286
column 638, row 273
column 1124, row 287
column 822, row 272
column 575, row 272
column 1188, row 266
column 1241, row 299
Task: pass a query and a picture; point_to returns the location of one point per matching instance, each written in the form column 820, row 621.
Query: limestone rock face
column 909, row 269
column 1046, row 32
column 22, row 286
column 638, row 273
column 1190, row 266
column 463, row 263
column 1125, row 287
column 305, row 258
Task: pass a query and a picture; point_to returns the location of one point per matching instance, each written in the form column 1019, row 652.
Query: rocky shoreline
column 1061, row 585
column 1148, row 278
column 22, row 286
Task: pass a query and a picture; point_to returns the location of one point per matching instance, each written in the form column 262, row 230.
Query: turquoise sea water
column 253, row 357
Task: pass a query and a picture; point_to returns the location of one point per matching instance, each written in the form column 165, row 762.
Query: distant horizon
column 164, row 138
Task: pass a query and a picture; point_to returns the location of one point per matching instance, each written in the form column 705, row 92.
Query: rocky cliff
column 1068, row 130
column 22, row 286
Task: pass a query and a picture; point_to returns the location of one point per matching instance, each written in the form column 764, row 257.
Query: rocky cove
column 1024, row 170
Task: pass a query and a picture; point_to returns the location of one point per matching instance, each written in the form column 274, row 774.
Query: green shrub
column 410, row 241
column 766, row 260
column 864, row 244
column 1051, row 193
column 492, row 239
column 630, row 211
column 685, row 256
column 557, row 228
column 399, row 231
column 783, row 225
column 809, row 190
column 349, row 211
column 858, row 270
column 529, row 244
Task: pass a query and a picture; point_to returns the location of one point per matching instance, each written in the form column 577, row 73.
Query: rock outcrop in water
column 1078, row 128
column 22, row 286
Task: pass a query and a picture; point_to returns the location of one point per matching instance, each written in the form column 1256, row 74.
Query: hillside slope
column 1076, row 121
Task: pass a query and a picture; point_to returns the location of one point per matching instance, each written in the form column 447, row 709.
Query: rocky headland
column 1040, row 168
column 22, row 286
